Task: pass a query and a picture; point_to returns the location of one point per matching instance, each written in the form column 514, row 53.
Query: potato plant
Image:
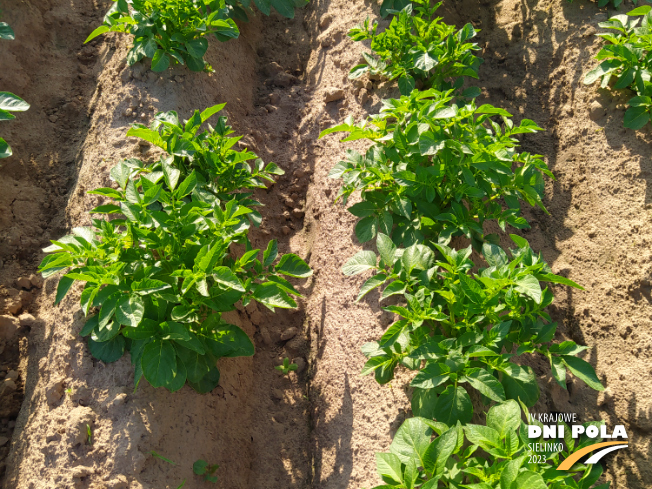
column 626, row 62
column 418, row 48
column 430, row 454
column 169, row 30
column 438, row 168
column 177, row 31
column 616, row 3
column 459, row 327
column 8, row 101
column 238, row 9
column 162, row 268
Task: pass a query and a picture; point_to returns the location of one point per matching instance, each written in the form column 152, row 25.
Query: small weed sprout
column 287, row 367
column 201, row 467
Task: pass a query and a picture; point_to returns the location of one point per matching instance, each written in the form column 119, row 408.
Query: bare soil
column 321, row 427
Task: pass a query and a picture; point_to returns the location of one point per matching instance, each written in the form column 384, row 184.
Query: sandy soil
column 319, row 428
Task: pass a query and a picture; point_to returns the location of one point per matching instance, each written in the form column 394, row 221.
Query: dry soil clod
column 333, row 94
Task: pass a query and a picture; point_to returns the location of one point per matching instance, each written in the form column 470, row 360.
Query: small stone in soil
column 325, row 21
column 272, row 69
column 274, row 98
column 26, row 319
column 8, row 386
column 54, row 392
column 264, row 334
column 333, row 94
column 284, row 80
column 82, row 471
column 36, row 280
column 300, row 363
column 14, row 305
column 596, row 111
column 24, row 283
column 364, row 96
column 8, row 326
column 289, row 333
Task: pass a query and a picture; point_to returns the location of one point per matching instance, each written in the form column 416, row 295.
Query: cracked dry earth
column 285, row 81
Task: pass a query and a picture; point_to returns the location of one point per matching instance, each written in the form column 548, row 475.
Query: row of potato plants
column 9, row 102
column 437, row 169
column 163, row 264
column 177, row 31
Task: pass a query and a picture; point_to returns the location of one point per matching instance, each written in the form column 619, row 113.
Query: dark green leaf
column 485, row 383
column 160, row 62
column 159, row 363
column 107, row 351
column 454, row 405
column 583, row 370
column 130, row 310
column 293, row 266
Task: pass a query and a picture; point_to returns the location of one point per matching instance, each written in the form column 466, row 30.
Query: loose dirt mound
column 263, row 430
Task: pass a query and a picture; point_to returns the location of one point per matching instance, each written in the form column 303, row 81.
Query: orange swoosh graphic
column 570, row 461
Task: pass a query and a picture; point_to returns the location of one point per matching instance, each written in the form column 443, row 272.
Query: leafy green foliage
column 438, row 168
column 201, row 467
column 286, row 367
column 238, row 8
column 8, row 101
column 430, row 454
column 161, row 269
column 459, row 327
column 616, row 3
column 177, row 31
column 625, row 62
column 169, row 30
column 418, row 48
column 6, row 32
column 222, row 170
